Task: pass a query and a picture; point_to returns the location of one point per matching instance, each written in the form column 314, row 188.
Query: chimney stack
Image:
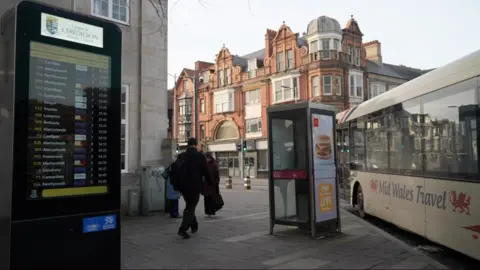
column 374, row 51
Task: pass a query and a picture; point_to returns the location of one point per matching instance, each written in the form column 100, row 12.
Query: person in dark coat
column 209, row 190
column 196, row 170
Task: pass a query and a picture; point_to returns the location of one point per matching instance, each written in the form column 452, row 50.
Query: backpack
column 178, row 173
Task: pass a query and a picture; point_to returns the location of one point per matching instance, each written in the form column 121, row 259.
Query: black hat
column 192, row 142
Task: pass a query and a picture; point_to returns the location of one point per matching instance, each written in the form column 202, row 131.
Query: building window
column 253, row 125
column 327, row 85
column 285, row 89
column 326, row 48
column 229, row 76
column 336, row 44
column 202, row 105
column 290, row 61
column 252, row 97
column 280, row 62
column 356, row 85
column 313, row 46
column 202, row 132
column 377, row 89
column 224, row 101
column 252, row 68
column 184, row 132
column 339, row 85
column 221, row 78
column 350, row 54
column 357, row 56
column 206, row 76
column 316, row 86
column 185, row 106
column 185, row 85
column 115, row 10
column 391, row 86
column 124, row 128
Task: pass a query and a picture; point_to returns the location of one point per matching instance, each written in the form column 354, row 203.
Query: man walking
column 194, row 169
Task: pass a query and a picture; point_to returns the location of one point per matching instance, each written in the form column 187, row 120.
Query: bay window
column 327, row 85
column 185, row 106
column 224, row 101
column 184, row 132
column 326, row 48
column 285, row 89
column 336, row 44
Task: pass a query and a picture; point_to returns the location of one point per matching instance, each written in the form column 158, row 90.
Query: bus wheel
column 360, row 204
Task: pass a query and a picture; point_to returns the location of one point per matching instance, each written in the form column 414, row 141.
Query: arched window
column 227, row 130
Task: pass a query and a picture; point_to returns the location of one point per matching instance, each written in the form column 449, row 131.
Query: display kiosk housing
column 60, row 90
column 303, row 184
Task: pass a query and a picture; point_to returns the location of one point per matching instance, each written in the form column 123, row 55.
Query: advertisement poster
column 324, row 171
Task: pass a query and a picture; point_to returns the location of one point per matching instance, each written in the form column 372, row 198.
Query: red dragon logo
column 373, row 185
column 475, row 229
column 460, row 202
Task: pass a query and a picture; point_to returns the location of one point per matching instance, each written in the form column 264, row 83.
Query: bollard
column 246, row 182
column 228, row 182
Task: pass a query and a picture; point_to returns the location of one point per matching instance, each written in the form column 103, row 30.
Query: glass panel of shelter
column 289, row 153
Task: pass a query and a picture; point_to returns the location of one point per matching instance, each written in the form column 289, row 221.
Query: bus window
column 406, row 133
column 450, row 125
column 376, row 141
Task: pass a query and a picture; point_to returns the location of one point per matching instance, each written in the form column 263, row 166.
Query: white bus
column 413, row 155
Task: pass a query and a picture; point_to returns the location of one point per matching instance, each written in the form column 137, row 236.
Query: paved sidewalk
column 238, row 238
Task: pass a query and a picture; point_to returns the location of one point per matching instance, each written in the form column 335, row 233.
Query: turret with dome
column 324, row 36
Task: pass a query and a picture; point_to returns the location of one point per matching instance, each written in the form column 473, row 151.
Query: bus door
column 343, row 159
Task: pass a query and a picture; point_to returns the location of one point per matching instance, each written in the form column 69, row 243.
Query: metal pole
column 242, row 158
column 174, row 116
column 195, row 100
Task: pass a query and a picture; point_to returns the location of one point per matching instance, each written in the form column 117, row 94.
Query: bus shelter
column 303, row 183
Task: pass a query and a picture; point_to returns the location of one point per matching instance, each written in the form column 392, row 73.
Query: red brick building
column 326, row 64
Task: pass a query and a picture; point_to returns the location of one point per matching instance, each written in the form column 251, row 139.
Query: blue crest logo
column 52, row 25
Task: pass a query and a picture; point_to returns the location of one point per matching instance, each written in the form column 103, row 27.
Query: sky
column 421, row 34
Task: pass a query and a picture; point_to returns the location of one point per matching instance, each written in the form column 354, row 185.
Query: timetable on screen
column 68, row 128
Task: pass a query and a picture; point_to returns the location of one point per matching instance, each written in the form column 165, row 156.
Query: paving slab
column 238, row 239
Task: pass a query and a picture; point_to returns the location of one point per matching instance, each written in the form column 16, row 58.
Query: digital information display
column 68, row 111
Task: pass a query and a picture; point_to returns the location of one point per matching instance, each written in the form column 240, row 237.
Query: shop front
column 227, row 157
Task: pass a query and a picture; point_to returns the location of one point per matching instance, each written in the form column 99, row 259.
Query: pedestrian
column 172, row 195
column 173, row 198
column 211, row 191
column 189, row 172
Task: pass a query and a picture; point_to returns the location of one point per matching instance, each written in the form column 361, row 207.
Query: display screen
column 68, row 111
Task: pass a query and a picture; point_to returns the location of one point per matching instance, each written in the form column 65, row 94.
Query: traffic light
column 244, row 146
column 239, row 147
column 178, row 149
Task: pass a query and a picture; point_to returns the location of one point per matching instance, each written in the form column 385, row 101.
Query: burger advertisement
column 324, row 167
column 322, row 140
